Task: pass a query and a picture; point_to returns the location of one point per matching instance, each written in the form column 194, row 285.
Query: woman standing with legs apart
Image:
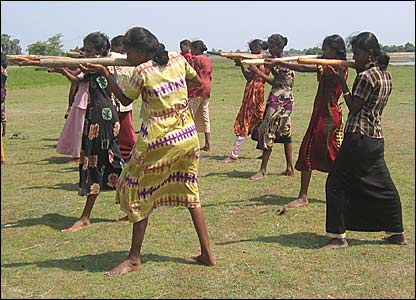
column 163, row 168
column 360, row 194
column 323, row 137
column 276, row 124
column 252, row 108
column 101, row 161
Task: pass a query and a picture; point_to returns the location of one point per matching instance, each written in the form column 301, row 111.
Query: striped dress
column 163, row 168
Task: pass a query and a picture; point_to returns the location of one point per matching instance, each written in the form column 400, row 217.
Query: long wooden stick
column 32, row 57
column 75, row 62
column 242, row 55
column 63, row 61
column 325, row 62
column 259, row 61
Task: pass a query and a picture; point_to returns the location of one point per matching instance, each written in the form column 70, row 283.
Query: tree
column 9, row 46
column 53, row 46
column 314, row 50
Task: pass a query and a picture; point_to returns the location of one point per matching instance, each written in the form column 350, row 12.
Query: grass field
column 260, row 254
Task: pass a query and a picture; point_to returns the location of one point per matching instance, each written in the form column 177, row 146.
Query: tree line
column 54, row 46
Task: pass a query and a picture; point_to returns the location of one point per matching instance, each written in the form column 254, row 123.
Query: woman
column 276, row 124
column 360, row 194
column 323, row 137
column 252, row 108
column 100, row 157
column 199, row 96
column 185, row 46
column 163, row 169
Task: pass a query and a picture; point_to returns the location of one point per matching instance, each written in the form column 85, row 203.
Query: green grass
column 260, row 254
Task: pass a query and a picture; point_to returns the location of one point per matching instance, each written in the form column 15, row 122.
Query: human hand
column 55, row 70
column 332, row 71
column 253, row 68
column 93, row 68
column 237, row 61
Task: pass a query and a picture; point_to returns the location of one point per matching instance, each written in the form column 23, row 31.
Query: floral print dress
column 101, row 160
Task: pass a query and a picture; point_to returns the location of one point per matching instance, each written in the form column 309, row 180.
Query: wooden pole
column 63, row 61
column 236, row 55
column 75, row 62
column 259, row 61
column 324, row 62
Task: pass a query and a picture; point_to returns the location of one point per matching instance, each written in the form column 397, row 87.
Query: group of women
column 163, row 166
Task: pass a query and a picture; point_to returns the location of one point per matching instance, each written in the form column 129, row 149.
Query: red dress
column 252, row 109
column 323, row 138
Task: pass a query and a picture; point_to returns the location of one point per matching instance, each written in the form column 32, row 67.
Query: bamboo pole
column 32, row 56
column 324, row 62
column 236, row 55
column 75, row 62
column 259, row 61
column 63, row 61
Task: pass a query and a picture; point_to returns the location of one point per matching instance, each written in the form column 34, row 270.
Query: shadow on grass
column 303, row 240
column 101, row 262
column 279, row 200
column 239, row 174
column 54, row 160
column 263, row 200
column 55, row 221
column 50, row 139
column 219, row 158
column 60, row 186
column 51, row 146
column 232, row 174
column 58, row 160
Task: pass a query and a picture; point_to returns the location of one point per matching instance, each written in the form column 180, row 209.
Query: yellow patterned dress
column 163, row 169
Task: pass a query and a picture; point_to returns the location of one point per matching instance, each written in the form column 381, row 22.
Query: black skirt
column 360, row 194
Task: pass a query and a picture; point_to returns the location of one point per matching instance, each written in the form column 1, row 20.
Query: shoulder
column 374, row 75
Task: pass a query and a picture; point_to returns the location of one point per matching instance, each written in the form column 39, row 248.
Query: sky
column 225, row 25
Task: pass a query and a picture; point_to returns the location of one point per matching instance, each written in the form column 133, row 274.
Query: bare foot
column 258, row 176
column 78, row 225
column 122, row 219
column 205, row 260
column 125, row 267
column 288, row 172
column 335, row 244
column 229, row 159
column 301, row 201
column 206, row 148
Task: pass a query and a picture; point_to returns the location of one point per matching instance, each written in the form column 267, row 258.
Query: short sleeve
column 363, row 87
column 132, row 88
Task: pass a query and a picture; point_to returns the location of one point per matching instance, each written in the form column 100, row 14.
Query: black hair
column 99, row 41
column 185, row 43
column 277, row 39
column 337, row 43
column 4, row 61
column 117, row 41
column 368, row 41
column 258, row 43
column 198, row 44
column 141, row 39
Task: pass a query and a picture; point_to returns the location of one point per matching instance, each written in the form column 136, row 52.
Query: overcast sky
column 225, row 25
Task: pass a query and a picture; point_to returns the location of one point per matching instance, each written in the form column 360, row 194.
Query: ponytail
column 161, row 55
column 383, row 60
